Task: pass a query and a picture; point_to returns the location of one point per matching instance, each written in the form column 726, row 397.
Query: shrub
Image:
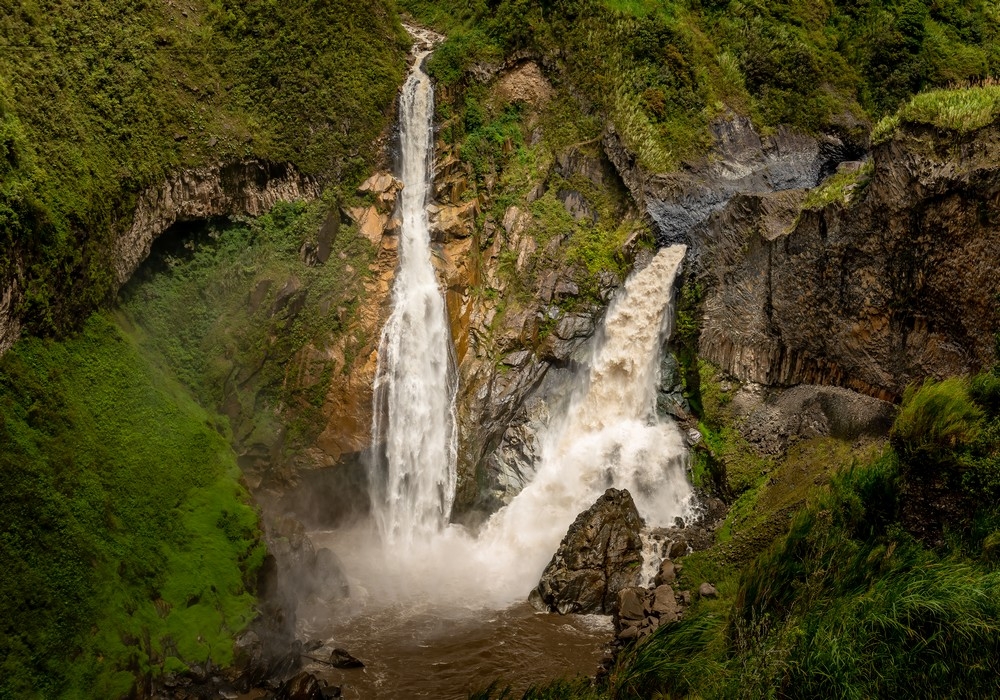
column 936, row 420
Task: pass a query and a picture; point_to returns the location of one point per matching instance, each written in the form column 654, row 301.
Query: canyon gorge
column 578, row 350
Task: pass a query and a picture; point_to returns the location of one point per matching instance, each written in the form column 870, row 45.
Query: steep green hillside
column 662, row 70
column 99, row 99
column 129, row 545
column 232, row 310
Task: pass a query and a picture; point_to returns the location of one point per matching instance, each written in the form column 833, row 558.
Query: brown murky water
column 418, row 649
column 439, row 654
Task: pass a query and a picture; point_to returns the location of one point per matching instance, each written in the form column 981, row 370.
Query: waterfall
column 412, row 472
column 609, row 436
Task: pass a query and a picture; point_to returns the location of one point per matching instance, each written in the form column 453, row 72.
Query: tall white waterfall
column 609, row 436
column 412, row 474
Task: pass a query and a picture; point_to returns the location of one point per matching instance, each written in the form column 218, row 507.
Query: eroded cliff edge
column 888, row 283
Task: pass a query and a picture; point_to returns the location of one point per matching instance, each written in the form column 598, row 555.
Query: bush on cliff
column 128, row 545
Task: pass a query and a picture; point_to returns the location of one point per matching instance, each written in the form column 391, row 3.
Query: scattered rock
column 707, row 590
column 666, row 574
column 341, row 658
column 665, row 603
column 600, row 556
column 303, row 686
column 678, row 548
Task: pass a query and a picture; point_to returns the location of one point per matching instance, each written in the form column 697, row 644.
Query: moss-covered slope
column 102, row 98
column 129, row 545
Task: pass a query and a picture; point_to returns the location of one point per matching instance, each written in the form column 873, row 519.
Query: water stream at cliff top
column 412, row 479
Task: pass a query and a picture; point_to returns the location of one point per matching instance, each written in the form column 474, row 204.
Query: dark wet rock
column 303, row 686
column 665, row 603
column 341, row 658
column 742, row 161
column 632, row 604
column 600, row 556
column 773, row 419
column 670, row 400
column 678, row 548
column 576, row 205
column 667, row 573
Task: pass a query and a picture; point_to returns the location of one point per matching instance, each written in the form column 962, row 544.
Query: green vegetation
column 101, row 98
column 957, row 109
column 128, row 544
column 230, row 305
column 839, row 187
column 662, row 70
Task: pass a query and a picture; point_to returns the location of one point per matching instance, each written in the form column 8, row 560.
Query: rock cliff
column 230, row 189
column 521, row 305
column 893, row 282
column 741, row 161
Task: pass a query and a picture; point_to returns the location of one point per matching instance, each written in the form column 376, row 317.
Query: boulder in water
column 303, row 686
column 600, row 556
column 341, row 658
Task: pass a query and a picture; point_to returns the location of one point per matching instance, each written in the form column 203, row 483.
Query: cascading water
column 610, row 435
column 448, row 609
column 412, row 476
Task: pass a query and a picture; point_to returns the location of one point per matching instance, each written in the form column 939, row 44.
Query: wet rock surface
column 600, row 556
column 741, row 161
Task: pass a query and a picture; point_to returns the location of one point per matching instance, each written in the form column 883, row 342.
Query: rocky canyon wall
column 894, row 282
column 229, row 189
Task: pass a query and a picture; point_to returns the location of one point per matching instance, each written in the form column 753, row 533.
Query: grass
column 839, row 187
column 129, row 544
column 961, row 109
column 192, row 307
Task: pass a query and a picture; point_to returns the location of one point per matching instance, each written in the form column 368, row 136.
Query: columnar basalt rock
column 230, row 189
column 896, row 284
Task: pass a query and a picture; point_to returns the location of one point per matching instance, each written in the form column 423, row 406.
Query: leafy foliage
column 662, row 70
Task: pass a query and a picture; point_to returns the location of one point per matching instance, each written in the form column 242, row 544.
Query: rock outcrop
column 897, row 284
column 741, row 161
column 230, row 189
column 518, row 309
column 600, row 556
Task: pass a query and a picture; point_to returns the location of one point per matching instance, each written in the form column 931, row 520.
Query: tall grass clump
column 936, row 420
column 961, row 109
